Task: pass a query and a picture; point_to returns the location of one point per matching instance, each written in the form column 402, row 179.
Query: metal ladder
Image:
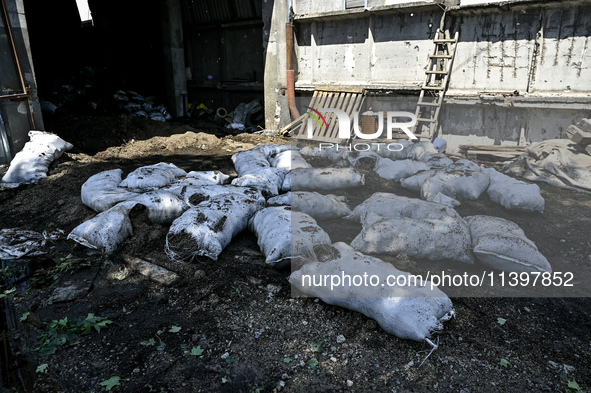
column 435, row 84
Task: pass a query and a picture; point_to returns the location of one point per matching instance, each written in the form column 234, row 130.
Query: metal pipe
column 19, row 66
column 290, row 73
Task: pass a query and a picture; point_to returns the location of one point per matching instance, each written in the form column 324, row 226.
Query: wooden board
column 347, row 100
column 493, row 148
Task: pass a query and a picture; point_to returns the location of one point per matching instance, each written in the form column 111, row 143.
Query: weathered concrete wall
column 276, row 104
column 374, row 49
column 530, row 47
column 538, row 48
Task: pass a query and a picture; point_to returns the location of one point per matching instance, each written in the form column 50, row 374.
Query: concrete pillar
column 275, row 85
column 174, row 57
column 15, row 113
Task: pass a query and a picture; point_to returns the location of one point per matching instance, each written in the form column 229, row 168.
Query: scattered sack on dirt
column 101, row 191
column 502, row 245
column 206, row 229
column 151, row 177
column 463, row 178
column 32, row 162
column 106, row 230
column 268, row 180
column 397, row 170
column 284, row 234
column 289, row 159
column 433, row 239
column 390, row 205
column 163, row 206
column 408, row 311
column 514, row 194
column 557, row 162
column 317, row 179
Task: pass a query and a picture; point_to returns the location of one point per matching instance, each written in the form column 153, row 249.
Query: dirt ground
column 254, row 335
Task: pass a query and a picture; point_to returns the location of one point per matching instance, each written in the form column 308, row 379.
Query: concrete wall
column 538, row 48
column 374, row 49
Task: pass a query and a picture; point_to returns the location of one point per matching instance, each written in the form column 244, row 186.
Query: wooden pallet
column 348, row 100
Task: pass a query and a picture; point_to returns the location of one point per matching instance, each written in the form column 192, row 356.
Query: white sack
column 325, row 179
column 208, row 177
column 366, row 159
column 283, row 234
column 151, row 177
column 101, row 191
column 286, row 186
column 463, row 178
column 268, row 180
column 321, row 207
column 394, row 206
column 106, row 230
column 445, row 200
column 163, row 206
column 32, row 162
column 419, row 149
column 271, row 151
column 433, row 239
column 280, row 200
column 409, row 312
column 289, row 159
column 194, row 195
column 415, row 182
column 436, row 161
column 206, row 229
column 249, row 161
column 397, row 170
column 502, row 244
column 514, row 194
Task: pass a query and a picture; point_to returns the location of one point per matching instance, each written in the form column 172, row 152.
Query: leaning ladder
column 435, row 84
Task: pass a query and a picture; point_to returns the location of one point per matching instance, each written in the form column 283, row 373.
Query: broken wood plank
column 493, row 148
column 153, row 272
column 578, row 136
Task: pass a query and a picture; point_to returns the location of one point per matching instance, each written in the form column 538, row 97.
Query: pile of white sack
column 284, row 202
column 419, row 167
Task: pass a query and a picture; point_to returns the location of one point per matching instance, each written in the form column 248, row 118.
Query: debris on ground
column 557, row 162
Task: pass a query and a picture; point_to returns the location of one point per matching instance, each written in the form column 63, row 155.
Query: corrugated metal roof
column 197, row 12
